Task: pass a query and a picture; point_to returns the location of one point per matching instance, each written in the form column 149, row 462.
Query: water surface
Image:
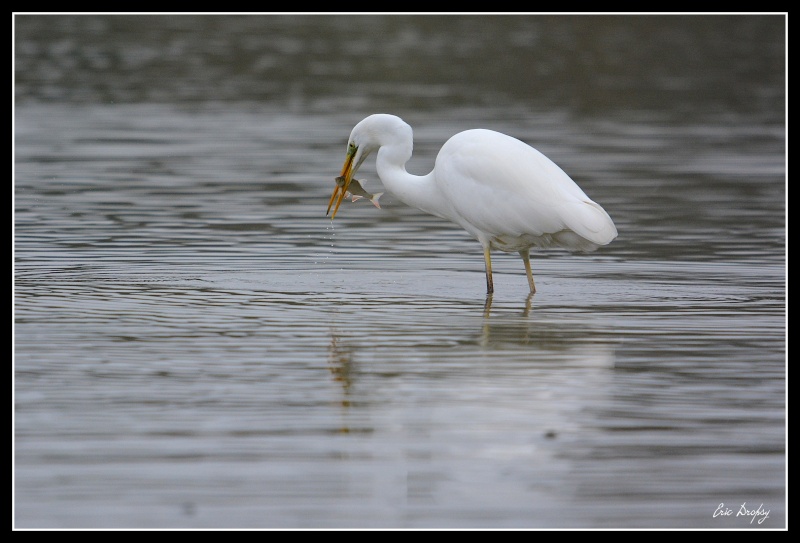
column 196, row 345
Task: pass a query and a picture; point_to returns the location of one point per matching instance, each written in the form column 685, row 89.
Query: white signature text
column 759, row 514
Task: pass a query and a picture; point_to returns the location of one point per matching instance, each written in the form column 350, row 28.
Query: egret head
column 367, row 136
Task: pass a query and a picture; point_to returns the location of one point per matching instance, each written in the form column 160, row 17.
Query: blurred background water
column 197, row 345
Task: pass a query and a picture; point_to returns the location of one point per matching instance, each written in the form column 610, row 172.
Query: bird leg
column 528, row 300
column 488, row 258
column 525, row 254
column 487, row 306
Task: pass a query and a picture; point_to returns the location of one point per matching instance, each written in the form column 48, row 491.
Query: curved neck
column 418, row 191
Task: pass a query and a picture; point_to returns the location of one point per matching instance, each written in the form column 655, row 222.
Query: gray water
column 196, row 345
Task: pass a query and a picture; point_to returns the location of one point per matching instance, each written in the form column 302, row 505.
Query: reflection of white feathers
column 507, row 415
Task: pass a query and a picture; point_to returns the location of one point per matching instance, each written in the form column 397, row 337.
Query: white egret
column 505, row 193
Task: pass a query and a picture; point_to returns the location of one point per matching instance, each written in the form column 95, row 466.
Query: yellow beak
column 340, row 190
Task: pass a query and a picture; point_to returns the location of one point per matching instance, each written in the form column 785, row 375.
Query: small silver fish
column 356, row 191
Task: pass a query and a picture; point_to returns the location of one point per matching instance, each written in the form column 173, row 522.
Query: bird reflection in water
column 526, row 310
column 340, row 364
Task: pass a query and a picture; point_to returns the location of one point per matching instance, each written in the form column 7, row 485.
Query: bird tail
column 374, row 199
column 592, row 223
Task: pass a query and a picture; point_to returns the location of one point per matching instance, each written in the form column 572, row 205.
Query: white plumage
column 505, row 193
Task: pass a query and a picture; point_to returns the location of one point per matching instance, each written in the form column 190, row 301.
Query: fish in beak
column 357, row 191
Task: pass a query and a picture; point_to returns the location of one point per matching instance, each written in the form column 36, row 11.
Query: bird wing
column 521, row 192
